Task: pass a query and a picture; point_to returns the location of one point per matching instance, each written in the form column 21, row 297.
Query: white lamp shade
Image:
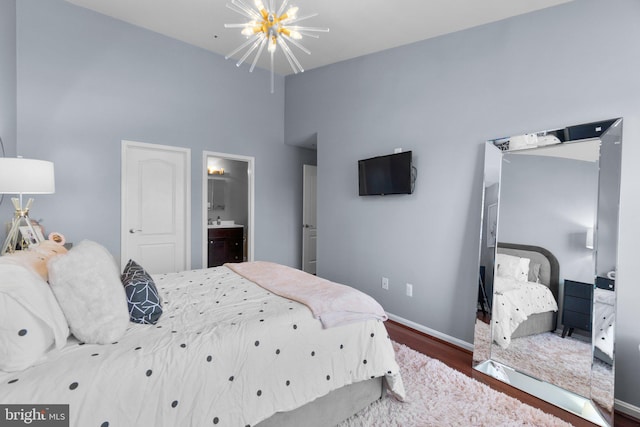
column 26, row 176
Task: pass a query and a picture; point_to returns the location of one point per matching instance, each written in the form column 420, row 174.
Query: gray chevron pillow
column 142, row 295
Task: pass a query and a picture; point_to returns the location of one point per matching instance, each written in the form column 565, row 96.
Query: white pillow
column 31, row 321
column 513, row 266
column 86, row 282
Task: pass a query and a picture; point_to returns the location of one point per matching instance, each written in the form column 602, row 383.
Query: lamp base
column 15, row 236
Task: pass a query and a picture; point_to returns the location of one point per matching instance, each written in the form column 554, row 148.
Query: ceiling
column 357, row 27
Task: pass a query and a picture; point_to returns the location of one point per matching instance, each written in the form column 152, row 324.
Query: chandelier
column 271, row 28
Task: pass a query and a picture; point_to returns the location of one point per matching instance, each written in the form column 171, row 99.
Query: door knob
column 131, row 230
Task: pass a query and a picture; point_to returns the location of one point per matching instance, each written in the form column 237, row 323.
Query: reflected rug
column 566, row 362
column 440, row 396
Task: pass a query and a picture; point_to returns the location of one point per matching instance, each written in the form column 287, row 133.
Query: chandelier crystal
column 271, row 28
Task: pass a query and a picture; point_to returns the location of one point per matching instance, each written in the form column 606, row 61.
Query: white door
column 309, row 230
column 156, row 214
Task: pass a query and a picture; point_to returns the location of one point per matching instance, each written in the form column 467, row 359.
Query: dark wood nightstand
column 577, row 306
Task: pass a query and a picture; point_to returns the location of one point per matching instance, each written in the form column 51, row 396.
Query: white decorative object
column 57, row 238
column 86, row 282
column 532, row 140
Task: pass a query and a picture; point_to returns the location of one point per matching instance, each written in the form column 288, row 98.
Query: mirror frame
column 611, row 135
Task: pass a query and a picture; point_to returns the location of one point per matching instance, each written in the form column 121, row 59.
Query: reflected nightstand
column 577, row 306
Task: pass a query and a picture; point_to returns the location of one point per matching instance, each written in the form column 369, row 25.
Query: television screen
column 382, row 175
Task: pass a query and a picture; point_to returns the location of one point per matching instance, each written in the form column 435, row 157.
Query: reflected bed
column 548, row 275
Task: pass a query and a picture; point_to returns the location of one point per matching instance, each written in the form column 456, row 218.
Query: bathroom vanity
column 226, row 244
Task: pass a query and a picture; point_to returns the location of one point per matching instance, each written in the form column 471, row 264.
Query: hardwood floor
column 461, row 360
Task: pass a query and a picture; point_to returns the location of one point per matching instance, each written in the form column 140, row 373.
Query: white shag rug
column 440, row 396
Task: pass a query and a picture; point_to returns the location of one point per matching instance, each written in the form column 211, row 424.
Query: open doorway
column 227, row 208
column 309, row 222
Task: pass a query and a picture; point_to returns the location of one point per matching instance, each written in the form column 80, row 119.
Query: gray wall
column 8, row 126
column 574, row 63
column 87, row 81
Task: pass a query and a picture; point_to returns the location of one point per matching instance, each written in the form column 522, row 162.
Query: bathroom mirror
column 217, row 189
column 546, row 288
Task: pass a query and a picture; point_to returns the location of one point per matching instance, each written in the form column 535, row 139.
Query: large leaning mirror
column 546, row 291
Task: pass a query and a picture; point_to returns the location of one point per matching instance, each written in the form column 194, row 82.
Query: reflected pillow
column 513, row 266
column 534, row 272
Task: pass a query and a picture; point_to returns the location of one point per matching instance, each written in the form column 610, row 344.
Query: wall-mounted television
column 391, row 174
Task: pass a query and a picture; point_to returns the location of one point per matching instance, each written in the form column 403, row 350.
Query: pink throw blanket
column 332, row 303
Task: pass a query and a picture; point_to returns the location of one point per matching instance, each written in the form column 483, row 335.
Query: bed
column 512, row 317
column 225, row 351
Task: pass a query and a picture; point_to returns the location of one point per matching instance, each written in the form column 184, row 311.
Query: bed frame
column 332, row 408
column 549, row 276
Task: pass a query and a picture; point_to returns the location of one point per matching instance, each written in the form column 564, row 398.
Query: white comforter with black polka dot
column 513, row 303
column 225, row 352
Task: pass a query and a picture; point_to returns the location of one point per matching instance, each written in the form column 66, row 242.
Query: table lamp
column 24, row 176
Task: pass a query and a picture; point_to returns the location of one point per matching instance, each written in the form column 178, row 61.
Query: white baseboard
column 627, row 408
column 432, row 332
column 624, row 407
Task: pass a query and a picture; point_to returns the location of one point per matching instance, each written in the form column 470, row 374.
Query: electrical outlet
column 409, row 290
column 385, row 283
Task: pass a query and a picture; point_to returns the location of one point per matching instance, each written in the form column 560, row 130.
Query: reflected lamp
column 589, row 239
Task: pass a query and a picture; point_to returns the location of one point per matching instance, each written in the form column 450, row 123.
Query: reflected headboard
column 549, row 266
